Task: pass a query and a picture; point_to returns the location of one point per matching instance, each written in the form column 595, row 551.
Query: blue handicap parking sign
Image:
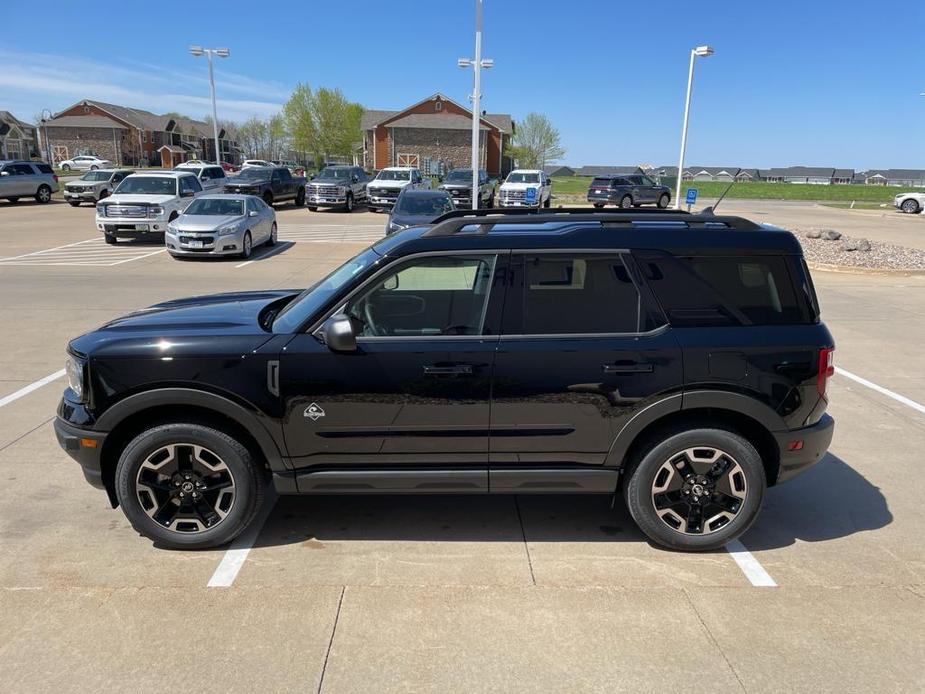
column 530, row 195
column 691, row 196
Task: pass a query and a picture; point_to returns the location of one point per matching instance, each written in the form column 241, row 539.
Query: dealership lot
column 501, row 593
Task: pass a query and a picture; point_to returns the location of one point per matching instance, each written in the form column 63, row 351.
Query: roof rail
column 452, row 223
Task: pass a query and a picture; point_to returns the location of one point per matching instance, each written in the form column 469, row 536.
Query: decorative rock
column 813, row 234
column 863, row 245
column 849, row 245
column 830, row 235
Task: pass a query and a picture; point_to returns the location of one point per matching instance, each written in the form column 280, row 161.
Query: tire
column 626, row 202
column 12, row 201
column 910, row 206
column 74, row 203
column 657, row 468
column 272, row 240
column 43, row 194
column 247, row 246
column 110, row 239
column 598, row 205
column 66, row 168
column 548, row 202
column 491, row 201
column 348, row 206
column 663, row 201
column 103, row 194
column 312, row 209
column 219, row 458
column 300, row 198
column 94, row 167
column 268, row 198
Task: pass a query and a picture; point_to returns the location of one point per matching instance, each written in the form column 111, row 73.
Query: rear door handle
column 628, row 368
column 443, row 370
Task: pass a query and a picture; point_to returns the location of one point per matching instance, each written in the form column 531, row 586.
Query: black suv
column 627, row 191
column 677, row 359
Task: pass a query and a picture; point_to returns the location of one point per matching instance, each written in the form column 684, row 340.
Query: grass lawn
column 578, row 185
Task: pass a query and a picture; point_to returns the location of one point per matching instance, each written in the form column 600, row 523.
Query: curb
column 852, row 270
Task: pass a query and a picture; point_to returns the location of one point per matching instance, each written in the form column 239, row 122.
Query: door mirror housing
column 356, row 179
column 252, row 213
column 186, row 194
column 337, row 333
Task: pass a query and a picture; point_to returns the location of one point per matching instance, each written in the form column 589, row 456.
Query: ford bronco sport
column 675, row 359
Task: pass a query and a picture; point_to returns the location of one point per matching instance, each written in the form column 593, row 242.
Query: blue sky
column 811, row 82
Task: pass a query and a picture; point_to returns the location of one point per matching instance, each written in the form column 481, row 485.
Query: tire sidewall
column 637, row 490
column 248, row 489
column 623, row 200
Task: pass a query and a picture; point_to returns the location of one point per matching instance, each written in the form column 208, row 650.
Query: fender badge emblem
column 313, row 412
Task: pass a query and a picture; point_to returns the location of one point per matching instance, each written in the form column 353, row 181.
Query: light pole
column 703, row 52
column 45, row 142
column 477, row 63
column 221, row 53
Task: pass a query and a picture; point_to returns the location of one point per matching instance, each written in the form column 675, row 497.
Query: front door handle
column 431, row 370
column 628, row 368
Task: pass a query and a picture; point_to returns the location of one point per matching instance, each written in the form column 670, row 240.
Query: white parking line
column 89, row 252
column 917, row 406
column 236, row 555
column 750, row 566
column 32, row 386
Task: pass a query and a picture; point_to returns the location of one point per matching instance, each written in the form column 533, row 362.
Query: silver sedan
column 222, row 225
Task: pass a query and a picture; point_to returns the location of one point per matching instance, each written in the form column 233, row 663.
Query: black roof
column 670, row 230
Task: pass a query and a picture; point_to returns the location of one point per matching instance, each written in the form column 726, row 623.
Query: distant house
column 708, row 173
column 809, row 175
column 909, row 178
column 842, row 177
column 18, row 139
column 434, row 135
column 604, row 170
column 557, row 170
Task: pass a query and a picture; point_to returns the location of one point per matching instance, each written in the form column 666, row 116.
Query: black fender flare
column 691, row 400
column 161, row 397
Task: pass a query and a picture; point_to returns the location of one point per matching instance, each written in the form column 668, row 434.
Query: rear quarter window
column 44, row 168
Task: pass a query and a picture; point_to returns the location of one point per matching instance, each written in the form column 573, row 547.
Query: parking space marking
column 332, row 233
column 750, row 566
column 919, row 407
column 32, row 386
column 235, row 556
column 93, row 252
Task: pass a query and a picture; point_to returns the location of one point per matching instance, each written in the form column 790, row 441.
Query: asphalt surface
column 452, row 594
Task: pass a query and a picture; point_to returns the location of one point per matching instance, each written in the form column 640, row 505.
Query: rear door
column 582, row 351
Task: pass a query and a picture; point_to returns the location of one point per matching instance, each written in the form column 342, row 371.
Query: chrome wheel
column 626, row 203
column 910, row 207
column 44, row 194
column 185, row 488
column 247, row 245
column 699, row 490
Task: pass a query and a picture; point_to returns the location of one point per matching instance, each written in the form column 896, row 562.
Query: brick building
column 134, row 137
column 434, row 134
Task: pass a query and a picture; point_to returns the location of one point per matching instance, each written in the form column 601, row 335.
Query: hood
column 80, row 183
column 245, row 182
column 455, row 186
column 135, row 198
column 330, row 181
column 411, row 220
column 173, row 324
column 205, row 222
column 519, row 186
column 388, row 184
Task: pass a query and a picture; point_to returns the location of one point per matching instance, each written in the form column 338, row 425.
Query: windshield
column 306, row 304
column 460, row 175
column 148, row 185
column 254, row 172
column 334, row 172
column 393, row 175
column 96, row 176
column 216, row 206
column 423, row 205
column 516, row 177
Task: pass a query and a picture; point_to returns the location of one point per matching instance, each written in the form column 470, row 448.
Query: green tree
column 323, row 121
column 536, row 142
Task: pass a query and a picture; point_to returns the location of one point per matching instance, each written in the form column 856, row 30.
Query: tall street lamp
column 477, row 63
column 45, row 142
column 221, row 53
column 702, row 52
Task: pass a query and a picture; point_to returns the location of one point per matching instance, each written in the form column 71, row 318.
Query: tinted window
column 44, row 168
column 426, row 297
column 417, row 205
column 711, row 291
column 148, row 185
column 570, row 294
column 601, row 183
column 20, row 170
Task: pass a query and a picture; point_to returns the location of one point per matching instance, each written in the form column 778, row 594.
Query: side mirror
column 337, row 333
column 356, row 179
column 252, row 213
column 186, row 194
column 4, row 173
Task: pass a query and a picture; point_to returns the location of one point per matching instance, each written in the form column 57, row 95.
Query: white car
column 85, row 163
column 526, row 188
column 383, row 190
column 145, row 203
column 211, row 177
column 250, row 163
column 910, row 203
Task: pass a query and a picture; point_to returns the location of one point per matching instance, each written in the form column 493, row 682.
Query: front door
column 416, row 390
column 580, row 354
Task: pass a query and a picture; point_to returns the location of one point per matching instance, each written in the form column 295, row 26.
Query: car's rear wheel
column 247, row 245
column 300, row 197
column 43, row 194
column 663, row 200
column 696, row 489
column 188, row 486
column 348, row 205
column 94, row 167
column 65, row 168
column 626, row 202
column 273, row 233
column 910, row 206
column 598, row 205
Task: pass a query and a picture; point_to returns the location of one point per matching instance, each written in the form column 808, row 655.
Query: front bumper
column 88, row 196
column 130, row 227
column 85, row 446
column 815, row 442
column 382, row 201
column 212, row 244
column 518, row 203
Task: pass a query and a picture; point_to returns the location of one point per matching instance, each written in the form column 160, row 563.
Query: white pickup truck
column 144, row 203
column 526, row 188
column 383, row 190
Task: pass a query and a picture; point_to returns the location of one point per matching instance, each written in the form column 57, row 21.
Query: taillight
column 55, row 177
column 826, row 368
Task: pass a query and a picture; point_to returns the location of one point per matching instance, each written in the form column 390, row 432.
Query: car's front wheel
column 111, row 239
column 696, row 489
column 348, row 206
column 247, row 245
column 271, row 241
column 663, row 200
column 300, row 198
column 188, row 486
column 43, row 194
column 910, row 206
column 65, row 168
column 74, row 203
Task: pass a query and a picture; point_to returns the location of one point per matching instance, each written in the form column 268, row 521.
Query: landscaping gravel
column 824, row 248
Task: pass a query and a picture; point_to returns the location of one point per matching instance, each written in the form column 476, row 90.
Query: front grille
column 206, row 240
column 326, row 190
column 391, row 193
column 128, row 211
column 78, row 189
column 514, row 195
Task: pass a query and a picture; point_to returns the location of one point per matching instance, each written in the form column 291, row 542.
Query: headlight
column 172, row 227
column 74, row 368
column 225, row 231
column 155, row 211
column 341, row 190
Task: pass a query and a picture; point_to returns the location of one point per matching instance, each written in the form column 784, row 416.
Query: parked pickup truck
column 384, row 189
column 526, row 188
column 458, row 183
column 337, row 186
column 94, row 185
column 271, row 183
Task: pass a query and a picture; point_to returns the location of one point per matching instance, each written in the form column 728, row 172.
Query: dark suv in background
column 627, row 191
column 676, row 359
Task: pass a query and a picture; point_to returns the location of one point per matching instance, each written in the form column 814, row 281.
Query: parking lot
column 494, row 593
